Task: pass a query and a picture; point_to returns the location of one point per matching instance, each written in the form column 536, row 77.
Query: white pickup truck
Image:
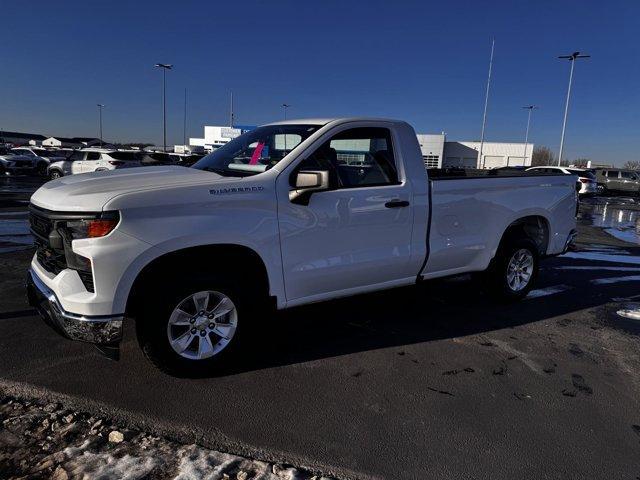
column 287, row 214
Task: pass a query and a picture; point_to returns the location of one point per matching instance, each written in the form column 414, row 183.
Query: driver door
column 358, row 233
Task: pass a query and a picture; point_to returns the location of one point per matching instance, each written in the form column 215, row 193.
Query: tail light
column 116, row 163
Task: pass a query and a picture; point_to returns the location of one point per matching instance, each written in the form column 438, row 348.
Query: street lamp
column 100, row 107
column 284, row 108
column 164, row 67
column 526, row 135
column 480, row 161
column 572, row 58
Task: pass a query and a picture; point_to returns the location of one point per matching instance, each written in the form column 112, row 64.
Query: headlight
column 93, row 227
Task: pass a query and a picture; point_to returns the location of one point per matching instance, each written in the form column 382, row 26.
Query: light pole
column 572, row 58
column 100, row 107
column 184, row 120
column 284, row 108
column 526, row 135
column 486, row 103
column 164, row 67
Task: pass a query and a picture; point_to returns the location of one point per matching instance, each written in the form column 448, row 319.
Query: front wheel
column 55, row 174
column 514, row 270
column 191, row 330
column 601, row 189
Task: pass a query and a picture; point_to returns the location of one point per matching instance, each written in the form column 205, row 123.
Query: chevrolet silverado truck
column 287, row 214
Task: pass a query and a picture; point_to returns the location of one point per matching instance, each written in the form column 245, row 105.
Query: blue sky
column 425, row 62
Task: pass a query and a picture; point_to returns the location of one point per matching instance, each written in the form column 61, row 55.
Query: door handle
column 397, row 204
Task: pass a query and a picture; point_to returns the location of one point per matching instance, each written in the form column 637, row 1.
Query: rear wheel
column 55, row 174
column 191, row 330
column 601, row 189
column 514, row 271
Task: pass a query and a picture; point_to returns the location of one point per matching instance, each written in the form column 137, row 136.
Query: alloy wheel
column 202, row 325
column 520, row 269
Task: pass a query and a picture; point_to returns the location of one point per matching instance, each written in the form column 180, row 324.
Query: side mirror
column 306, row 182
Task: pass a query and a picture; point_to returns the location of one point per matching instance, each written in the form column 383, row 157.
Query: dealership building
column 437, row 152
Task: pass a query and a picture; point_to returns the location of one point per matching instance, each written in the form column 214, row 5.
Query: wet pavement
column 431, row 381
column 617, row 216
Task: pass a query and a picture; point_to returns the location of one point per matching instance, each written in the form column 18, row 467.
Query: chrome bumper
column 101, row 330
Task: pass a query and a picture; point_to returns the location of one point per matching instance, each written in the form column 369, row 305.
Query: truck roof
column 324, row 121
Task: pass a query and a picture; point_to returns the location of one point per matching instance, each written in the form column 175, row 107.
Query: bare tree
column 632, row 165
column 542, row 156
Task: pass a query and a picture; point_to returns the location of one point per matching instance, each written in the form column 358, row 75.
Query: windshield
column 255, row 151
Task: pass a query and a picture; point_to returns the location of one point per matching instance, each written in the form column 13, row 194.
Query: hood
column 89, row 192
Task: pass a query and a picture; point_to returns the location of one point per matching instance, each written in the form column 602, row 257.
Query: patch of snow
column 630, row 311
column 604, row 281
column 105, row 466
column 625, row 234
column 598, row 267
column 543, row 292
column 604, row 257
column 199, row 464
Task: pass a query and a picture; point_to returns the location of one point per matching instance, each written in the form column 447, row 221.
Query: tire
column 156, row 327
column 601, row 189
column 55, row 174
column 502, row 281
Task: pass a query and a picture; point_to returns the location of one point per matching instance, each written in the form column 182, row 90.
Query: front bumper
column 101, row 330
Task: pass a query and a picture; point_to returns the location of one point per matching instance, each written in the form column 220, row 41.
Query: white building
column 437, row 152
column 216, row 136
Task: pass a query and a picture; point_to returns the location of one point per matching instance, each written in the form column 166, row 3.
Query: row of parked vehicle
column 56, row 163
column 591, row 181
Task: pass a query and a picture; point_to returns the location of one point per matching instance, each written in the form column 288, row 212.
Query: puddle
column 14, row 235
column 619, row 217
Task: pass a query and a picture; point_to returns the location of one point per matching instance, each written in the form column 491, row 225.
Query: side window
column 359, row 157
column 75, row 156
column 93, row 155
column 626, row 174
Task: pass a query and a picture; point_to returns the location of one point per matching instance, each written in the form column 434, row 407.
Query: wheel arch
column 242, row 262
column 534, row 227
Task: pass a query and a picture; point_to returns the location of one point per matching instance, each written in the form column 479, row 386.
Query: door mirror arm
column 305, row 183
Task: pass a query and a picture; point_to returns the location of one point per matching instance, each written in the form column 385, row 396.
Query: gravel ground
column 46, row 440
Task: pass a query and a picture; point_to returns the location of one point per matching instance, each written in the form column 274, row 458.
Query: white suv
column 586, row 184
column 94, row 160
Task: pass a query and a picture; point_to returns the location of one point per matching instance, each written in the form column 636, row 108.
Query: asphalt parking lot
column 432, row 381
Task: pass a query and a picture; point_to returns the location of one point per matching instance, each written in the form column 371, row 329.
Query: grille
column 40, row 226
column 51, row 260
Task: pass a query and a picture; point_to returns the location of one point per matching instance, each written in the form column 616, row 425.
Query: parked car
column 586, row 183
column 162, row 158
column 42, row 157
column 94, row 160
column 196, row 255
column 618, row 180
column 14, row 164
